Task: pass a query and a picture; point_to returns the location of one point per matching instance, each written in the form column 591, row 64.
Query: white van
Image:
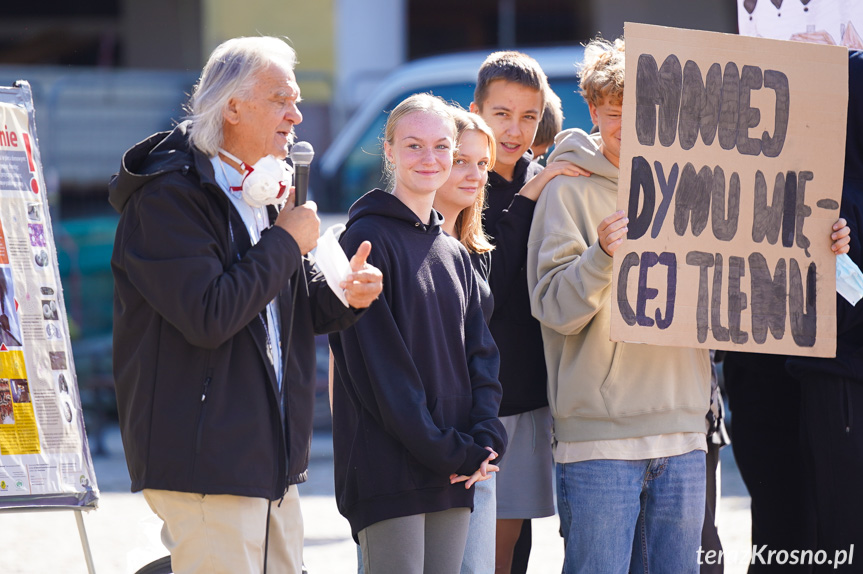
column 352, row 165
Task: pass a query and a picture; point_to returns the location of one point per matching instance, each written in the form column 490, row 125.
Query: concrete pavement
column 124, row 534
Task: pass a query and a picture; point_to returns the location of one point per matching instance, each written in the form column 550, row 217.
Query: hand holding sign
column 841, row 237
column 612, row 232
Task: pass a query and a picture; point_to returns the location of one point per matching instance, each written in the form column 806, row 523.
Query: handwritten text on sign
column 731, row 178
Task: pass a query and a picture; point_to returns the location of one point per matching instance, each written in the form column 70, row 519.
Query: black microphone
column 302, row 154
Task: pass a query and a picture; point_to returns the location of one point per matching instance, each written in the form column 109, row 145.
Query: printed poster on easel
column 731, row 176
column 44, row 456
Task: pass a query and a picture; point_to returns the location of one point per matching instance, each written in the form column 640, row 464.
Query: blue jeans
column 479, row 550
column 620, row 516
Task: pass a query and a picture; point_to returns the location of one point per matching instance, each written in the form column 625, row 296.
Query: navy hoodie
column 848, row 363
column 416, row 391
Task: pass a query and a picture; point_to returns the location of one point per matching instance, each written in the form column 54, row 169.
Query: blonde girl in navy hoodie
column 416, row 389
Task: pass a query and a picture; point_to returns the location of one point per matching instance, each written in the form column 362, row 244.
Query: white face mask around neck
column 266, row 182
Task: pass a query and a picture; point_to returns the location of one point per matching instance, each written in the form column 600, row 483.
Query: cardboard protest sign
column 731, row 175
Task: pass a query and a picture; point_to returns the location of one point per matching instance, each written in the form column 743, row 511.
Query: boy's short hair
column 602, row 71
column 551, row 122
column 512, row 67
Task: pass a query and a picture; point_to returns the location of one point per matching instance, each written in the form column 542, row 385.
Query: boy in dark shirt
column 510, row 96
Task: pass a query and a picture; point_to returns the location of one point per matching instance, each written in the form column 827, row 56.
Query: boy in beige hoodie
column 628, row 419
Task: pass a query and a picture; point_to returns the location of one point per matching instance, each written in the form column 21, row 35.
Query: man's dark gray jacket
column 197, row 395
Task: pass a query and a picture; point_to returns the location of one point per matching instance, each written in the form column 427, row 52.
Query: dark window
column 455, row 25
column 552, row 22
column 450, row 26
column 62, row 33
column 62, row 8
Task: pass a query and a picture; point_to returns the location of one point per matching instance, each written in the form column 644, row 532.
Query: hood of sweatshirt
column 582, row 149
column 160, row 153
column 381, row 203
column 854, row 133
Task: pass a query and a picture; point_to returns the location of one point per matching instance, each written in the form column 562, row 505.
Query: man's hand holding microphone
column 298, row 218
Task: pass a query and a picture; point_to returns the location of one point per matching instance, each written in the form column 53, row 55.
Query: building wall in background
column 308, row 26
column 370, row 42
column 161, row 34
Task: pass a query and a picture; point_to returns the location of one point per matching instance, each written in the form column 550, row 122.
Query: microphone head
column 302, row 153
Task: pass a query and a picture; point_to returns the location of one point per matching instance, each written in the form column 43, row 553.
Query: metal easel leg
column 85, row 542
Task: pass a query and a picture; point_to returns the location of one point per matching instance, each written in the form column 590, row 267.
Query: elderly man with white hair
column 216, row 305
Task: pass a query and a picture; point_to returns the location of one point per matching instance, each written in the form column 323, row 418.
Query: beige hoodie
column 599, row 389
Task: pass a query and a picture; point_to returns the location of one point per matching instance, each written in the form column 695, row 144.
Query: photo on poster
column 62, row 385
column 20, row 390
column 67, row 412
column 49, row 310
column 37, row 234
column 41, row 258
column 58, row 360
column 7, row 413
column 10, row 328
column 52, row 332
column 34, row 211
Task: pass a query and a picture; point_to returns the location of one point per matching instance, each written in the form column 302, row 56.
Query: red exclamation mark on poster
column 4, row 254
column 34, row 183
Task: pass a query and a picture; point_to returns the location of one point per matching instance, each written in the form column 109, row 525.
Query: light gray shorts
column 525, row 483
